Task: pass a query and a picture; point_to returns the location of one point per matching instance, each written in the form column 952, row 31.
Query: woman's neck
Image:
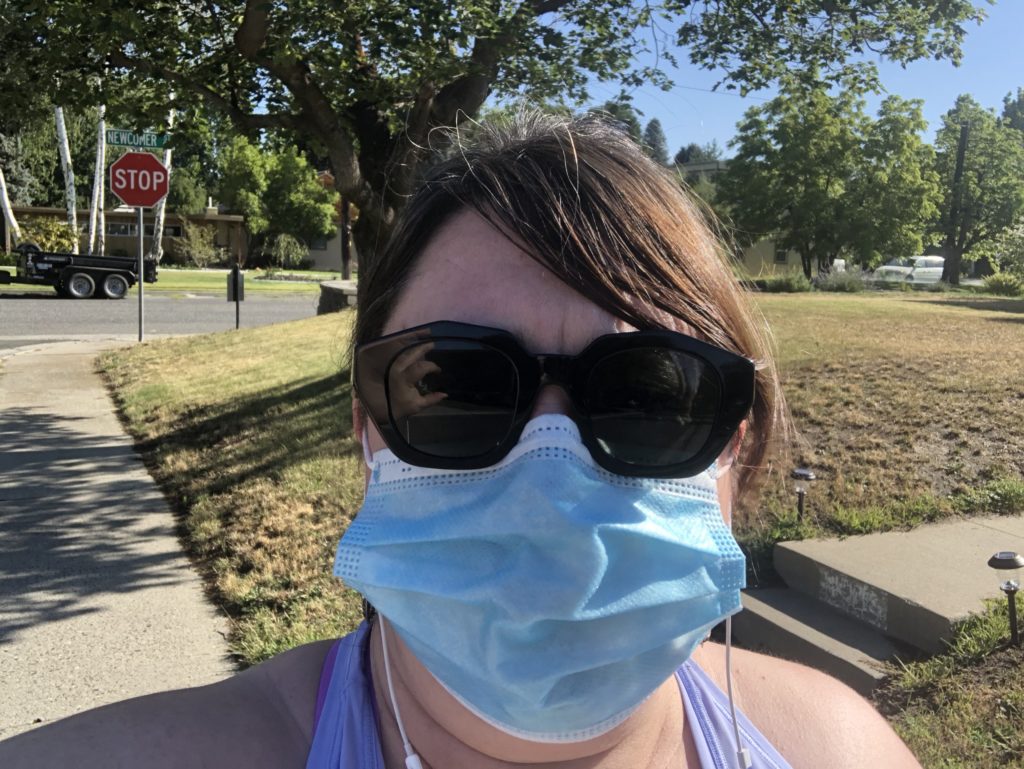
column 448, row 736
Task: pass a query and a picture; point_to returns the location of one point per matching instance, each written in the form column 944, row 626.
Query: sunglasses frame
column 735, row 375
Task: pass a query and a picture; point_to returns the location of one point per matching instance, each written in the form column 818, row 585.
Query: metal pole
column 1011, row 596
column 141, row 273
column 236, row 277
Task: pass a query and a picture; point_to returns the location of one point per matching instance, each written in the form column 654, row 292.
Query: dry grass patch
column 249, row 432
column 908, row 408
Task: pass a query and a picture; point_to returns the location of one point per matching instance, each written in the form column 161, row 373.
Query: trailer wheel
column 28, row 248
column 115, row 286
column 80, row 285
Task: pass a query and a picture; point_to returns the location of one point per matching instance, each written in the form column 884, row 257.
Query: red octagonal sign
column 139, row 179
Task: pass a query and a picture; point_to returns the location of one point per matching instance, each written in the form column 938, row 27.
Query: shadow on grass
column 990, row 305
column 75, row 524
column 259, row 436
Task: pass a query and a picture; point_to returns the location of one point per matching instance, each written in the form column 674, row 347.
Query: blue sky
column 993, row 65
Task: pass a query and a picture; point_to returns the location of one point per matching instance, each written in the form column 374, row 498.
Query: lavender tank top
column 345, row 732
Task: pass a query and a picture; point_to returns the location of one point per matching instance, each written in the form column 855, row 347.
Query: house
column 121, row 234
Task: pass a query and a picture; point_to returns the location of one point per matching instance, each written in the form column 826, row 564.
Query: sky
column 992, row 66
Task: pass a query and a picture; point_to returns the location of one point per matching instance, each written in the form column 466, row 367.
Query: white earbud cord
column 742, row 754
column 412, row 761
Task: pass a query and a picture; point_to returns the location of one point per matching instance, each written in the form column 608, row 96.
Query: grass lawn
column 908, row 407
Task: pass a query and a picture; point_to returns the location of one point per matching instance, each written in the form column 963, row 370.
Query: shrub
column 283, row 250
column 49, row 234
column 850, row 282
column 7, row 259
column 196, row 244
column 1004, row 284
column 790, row 283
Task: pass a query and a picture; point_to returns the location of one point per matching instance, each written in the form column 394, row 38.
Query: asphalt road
column 32, row 318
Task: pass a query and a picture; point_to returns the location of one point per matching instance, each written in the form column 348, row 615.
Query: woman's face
column 470, row 272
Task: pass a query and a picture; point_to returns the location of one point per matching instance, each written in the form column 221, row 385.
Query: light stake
column 1009, row 564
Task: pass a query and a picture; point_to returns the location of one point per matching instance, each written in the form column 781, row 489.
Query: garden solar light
column 1009, row 564
column 801, row 474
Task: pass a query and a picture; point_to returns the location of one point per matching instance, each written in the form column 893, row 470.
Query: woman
column 560, row 392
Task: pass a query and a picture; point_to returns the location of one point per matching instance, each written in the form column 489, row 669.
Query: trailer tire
column 115, row 286
column 28, row 248
column 80, row 285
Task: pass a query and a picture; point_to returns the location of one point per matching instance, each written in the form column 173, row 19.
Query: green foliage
column 789, row 283
column 277, row 193
column 1004, row 284
column 654, row 142
column 992, row 190
column 48, row 233
column 821, row 178
column 295, row 201
column 1013, row 110
column 698, row 153
column 842, row 282
column 623, row 112
column 285, row 251
column 196, row 244
column 364, row 83
column 187, row 194
column 1008, row 249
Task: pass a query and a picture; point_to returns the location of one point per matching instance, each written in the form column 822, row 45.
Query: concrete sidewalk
column 97, row 601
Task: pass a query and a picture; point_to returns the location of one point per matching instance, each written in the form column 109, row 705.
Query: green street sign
column 143, row 140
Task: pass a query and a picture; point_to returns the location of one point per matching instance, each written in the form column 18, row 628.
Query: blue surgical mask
column 549, row 596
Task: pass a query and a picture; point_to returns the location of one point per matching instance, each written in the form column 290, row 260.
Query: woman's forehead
column 472, row 273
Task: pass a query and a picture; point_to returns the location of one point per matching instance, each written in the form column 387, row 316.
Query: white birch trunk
column 156, row 248
column 98, row 186
column 69, row 175
column 101, row 228
column 5, row 204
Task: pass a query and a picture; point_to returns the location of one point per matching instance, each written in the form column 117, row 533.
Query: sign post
column 139, row 180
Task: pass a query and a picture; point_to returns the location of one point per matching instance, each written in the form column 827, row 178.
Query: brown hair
column 583, row 200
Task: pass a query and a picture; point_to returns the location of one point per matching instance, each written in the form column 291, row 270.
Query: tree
column 788, row 178
column 363, row 83
column 623, row 113
column 990, row 194
column 894, row 191
column 698, row 153
column 655, row 144
column 277, row 193
column 822, row 178
column 1013, row 110
column 187, row 194
column 1009, row 249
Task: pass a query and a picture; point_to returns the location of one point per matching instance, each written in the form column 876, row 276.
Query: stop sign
column 139, row 179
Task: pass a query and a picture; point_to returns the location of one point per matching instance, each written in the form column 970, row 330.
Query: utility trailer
column 78, row 276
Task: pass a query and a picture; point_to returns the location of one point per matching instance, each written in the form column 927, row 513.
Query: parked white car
column 913, row 269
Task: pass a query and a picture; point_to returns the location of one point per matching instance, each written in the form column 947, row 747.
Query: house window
column 318, row 244
column 120, row 229
column 781, row 256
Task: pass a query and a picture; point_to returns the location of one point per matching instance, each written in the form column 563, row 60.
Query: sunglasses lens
column 652, row 406
column 452, row 398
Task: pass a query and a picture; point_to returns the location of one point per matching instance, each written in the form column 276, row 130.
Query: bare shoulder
column 261, row 717
column 812, row 719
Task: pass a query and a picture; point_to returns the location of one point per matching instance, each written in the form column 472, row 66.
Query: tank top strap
column 345, row 732
column 707, row 712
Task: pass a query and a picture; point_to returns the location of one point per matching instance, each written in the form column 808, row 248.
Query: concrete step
column 788, row 624
column 914, row 586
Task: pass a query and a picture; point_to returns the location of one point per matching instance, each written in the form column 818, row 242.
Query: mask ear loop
column 367, row 454
column 742, row 754
column 412, row 760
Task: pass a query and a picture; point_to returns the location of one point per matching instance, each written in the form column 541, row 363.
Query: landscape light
column 1008, row 565
column 802, row 475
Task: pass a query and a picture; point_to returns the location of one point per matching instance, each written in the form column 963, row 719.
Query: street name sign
column 140, row 139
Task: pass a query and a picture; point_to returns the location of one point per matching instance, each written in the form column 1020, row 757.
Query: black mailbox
column 236, row 285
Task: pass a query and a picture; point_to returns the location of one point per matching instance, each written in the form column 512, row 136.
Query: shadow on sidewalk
column 77, row 521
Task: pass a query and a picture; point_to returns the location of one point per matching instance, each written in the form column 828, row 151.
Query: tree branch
column 252, row 33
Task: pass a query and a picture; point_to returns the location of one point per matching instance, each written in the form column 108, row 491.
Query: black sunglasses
column 655, row 404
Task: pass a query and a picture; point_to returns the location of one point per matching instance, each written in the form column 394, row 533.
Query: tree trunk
column 156, row 248
column 952, row 248
column 805, row 260
column 69, row 175
column 98, row 186
column 5, row 204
